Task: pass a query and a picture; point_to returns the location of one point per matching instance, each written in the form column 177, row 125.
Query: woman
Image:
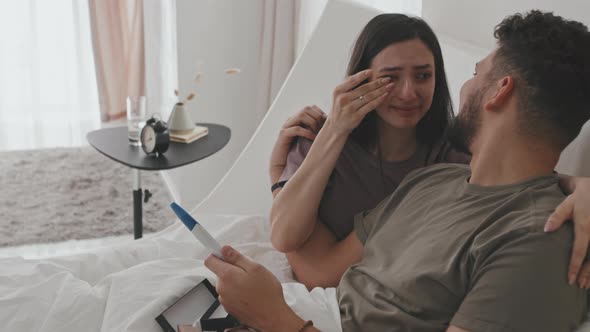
column 360, row 156
column 364, row 155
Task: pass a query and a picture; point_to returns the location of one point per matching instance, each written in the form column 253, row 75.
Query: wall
column 308, row 16
column 473, row 21
column 311, row 10
column 213, row 35
column 460, row 58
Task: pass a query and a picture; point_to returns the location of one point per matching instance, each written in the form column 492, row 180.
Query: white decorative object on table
column 182, row 127
column 180, row 120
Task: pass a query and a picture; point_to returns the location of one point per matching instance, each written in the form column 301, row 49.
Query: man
column 457, row 248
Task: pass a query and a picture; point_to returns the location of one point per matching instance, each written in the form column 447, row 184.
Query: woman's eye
column 424, row 76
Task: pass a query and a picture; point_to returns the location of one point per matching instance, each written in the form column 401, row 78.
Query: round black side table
column 113, row 143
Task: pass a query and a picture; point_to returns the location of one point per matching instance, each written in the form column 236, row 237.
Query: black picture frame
column 207, row 324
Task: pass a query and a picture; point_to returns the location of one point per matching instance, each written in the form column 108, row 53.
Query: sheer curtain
column 135, row 54
column 48, row 94
column 161, row 58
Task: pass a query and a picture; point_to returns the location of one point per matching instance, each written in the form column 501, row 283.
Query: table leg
column 137, row 205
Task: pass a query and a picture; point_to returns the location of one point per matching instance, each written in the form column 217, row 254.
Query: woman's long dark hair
column 379, row 33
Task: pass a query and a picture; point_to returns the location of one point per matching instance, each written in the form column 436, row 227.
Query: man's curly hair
column 549, row 58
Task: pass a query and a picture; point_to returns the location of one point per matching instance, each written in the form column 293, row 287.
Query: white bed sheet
column 124, row 288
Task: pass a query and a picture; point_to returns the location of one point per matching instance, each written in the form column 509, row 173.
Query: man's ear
column 504, row 89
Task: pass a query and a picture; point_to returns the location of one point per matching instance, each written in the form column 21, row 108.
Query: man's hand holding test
column 246, row 289
column 251, row 293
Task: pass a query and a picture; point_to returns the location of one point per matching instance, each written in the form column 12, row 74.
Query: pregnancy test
column 197, row 230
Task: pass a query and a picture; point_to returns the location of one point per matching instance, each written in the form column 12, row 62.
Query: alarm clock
column 155, row 137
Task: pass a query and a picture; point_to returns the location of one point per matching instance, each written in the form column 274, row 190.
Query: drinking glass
column 136, row 117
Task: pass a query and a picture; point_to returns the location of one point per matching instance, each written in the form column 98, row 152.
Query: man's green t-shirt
column 441, row 251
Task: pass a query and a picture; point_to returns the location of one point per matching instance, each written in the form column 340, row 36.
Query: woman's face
column 410, row 64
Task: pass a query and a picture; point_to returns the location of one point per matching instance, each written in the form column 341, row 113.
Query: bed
column 124, row 288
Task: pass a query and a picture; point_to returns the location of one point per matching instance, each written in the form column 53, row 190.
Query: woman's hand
column 351, row 102
column 576, row 207
column 306, row 123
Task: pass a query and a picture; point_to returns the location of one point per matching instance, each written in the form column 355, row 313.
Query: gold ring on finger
column 362, row 99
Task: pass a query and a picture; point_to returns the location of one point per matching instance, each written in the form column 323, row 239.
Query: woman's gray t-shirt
column 358, row 183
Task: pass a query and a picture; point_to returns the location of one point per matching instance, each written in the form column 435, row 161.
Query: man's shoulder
column 545, row 197
column 526, row 210
column 521, row 222
column 533, row 206
column 514, row 227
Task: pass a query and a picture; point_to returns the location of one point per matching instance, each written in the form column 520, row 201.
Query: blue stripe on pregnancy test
column 186, row 218
column 198, row 232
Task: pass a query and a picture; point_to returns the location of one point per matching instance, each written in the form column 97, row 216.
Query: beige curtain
column 118, row 42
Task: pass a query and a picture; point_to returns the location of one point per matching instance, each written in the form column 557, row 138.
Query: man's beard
column 464, row 128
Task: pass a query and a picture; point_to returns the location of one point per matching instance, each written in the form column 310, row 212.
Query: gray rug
column 72, row 194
